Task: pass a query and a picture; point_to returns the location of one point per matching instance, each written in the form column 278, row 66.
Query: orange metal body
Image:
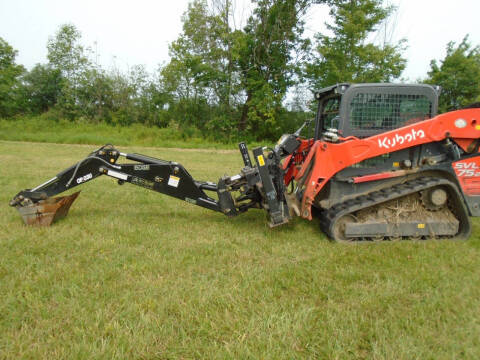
column 316, row 162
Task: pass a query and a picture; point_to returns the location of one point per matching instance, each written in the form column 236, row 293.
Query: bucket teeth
column 45, row 212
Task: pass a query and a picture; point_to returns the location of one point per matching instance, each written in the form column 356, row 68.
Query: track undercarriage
column 424, row 208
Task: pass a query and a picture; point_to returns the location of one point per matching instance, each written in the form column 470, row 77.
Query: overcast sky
column 128, row 33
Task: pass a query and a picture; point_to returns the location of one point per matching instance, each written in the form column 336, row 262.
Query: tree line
column 227, row 82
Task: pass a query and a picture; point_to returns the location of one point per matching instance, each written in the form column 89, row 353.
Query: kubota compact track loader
column 381, row 165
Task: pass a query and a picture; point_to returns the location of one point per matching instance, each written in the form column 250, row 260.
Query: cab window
column 330, row 111
column 388, row 111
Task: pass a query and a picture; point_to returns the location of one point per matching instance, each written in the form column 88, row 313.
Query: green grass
column 39, row 129
column 135, row 274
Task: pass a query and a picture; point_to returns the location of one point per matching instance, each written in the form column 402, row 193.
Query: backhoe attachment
column 256, row 186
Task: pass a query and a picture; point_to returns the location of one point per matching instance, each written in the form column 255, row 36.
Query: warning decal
column 173, row 181
column 261, row 160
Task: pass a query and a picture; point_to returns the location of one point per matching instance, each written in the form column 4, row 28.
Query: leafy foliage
column 201, row 74
column 346, row 55
column 9, row 80
column 458, row 74
column 41, row 88
column 236, row 80
column 271, row 41
column 67, row 56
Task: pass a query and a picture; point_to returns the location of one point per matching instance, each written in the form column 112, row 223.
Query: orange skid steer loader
column 381, row 165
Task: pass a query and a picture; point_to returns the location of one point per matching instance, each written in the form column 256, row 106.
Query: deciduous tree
column 41, row 88
column 269, row 48
column 202, row 73
column 347, row 55
column 67, row 55
column 9, row 80
column 458, row 74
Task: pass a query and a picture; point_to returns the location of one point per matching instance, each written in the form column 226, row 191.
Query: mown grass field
column 135, row 274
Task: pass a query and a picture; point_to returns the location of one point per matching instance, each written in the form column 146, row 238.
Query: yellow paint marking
column 261, row 160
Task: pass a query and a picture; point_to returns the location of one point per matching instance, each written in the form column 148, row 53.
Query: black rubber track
column 456, row 204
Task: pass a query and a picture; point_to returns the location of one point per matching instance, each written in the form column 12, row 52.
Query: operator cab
column 363, row 110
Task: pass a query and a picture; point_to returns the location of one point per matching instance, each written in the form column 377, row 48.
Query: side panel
column 468, row 175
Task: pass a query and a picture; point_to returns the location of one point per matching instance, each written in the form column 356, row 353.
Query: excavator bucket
column 45, row 212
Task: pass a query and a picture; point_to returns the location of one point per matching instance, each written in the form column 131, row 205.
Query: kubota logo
column 391, row 142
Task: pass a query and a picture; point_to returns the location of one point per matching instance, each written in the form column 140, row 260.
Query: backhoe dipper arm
column 85, row 170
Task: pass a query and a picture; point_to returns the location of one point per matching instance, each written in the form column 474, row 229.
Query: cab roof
column 341, row 88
